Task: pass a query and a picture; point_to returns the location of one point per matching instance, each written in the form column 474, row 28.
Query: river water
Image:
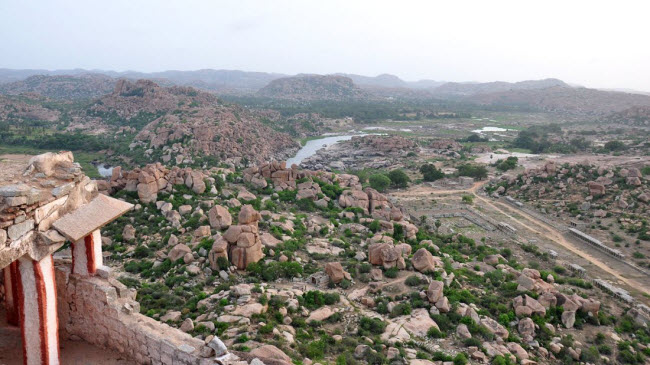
column 310, row 148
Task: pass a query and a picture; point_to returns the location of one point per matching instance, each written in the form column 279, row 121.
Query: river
column 310, row 148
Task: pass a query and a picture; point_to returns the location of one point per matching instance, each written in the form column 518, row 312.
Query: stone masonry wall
column 103, row 312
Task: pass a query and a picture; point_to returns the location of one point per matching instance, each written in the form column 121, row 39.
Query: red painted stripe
column 90, row 254
column 21, row 312
column 41, row 301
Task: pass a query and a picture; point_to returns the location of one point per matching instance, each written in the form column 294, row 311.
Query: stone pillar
column 38, row 314
column 87, row 254
column 11, row 293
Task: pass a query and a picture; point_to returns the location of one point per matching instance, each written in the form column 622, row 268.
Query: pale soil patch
column 11, row 167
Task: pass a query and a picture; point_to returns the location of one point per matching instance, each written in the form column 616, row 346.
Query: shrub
column 431, row 173
column 398, row 178
column 369, row 325
column 391, row 273
column 435, row 333
column 412, row 281
column 379, row 182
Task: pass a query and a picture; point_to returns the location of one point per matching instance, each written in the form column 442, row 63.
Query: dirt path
column 545, row 230
column 533, row 225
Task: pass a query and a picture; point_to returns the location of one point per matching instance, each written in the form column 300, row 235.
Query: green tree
column 430, row 172
column 379, row 182
column 614, row 146
column 398, row 178
column 476, row 171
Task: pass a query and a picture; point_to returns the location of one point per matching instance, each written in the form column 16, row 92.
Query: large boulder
column 219, row 249
column 423, row 260
column 270, row 352
column 435, row 291
column 494, row 327
column 178, row 252
column 220, row 217
column 335, row 272
column 248, row 215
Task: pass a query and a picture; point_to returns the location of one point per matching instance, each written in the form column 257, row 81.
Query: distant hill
column 83, row 86
column 582, row 101
column 383, row 80
column 214, row 80
column 466, row 89
column 313, row 87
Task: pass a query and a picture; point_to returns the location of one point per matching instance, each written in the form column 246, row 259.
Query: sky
column 591, row 43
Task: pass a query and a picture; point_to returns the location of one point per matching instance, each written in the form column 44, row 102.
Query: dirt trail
column 534, row 225
column 558, row 238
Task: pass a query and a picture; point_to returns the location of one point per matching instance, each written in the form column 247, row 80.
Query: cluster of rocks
column 371, row 151
column 152, row 179
column 51, row 186
column 284, row 178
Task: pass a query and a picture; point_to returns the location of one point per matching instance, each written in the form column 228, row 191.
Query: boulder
column 270, row 352
column 178, row 252
column 220, row 217
column 219, row 249
column 248, row 215
column 435, row 291
column 335, row 272
column 128, row 233
column 423, row 261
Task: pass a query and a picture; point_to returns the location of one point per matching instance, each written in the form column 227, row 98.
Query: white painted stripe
column 97, row 246
column 47, row 267
column 31, row 320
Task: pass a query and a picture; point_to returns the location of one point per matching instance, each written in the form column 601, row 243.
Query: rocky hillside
column 308, row 267
column 466, row 89
column 312, row 87
column 177, row 123
column 562, row 99
column 86, row 86
column 15, row 110
column 638, row 115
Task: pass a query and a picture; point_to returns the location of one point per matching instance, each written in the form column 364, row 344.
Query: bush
column 435, row 333
column 398, row 178
column 379, row 182
column 507, row 164
column 369, row 325
column 391, row 273
column 430, row 172
column 476, row 171
column 412, row 281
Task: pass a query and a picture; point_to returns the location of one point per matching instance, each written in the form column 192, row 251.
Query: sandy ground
column 531, row 160
column 72, row 352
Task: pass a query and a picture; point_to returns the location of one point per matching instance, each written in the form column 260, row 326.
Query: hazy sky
column 593, row 43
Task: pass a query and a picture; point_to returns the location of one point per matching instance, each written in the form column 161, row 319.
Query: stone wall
column 103, row 312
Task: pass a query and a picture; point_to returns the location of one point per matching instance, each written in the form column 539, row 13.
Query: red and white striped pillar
column 87, row 254
column 39, row 323
column 11, row 293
